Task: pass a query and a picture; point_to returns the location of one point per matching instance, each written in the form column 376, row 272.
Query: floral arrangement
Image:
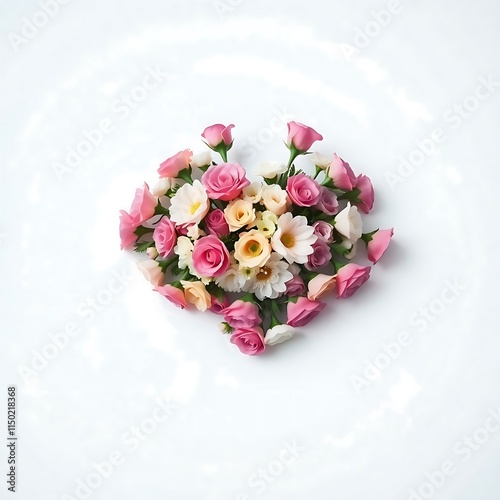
column 260, row 254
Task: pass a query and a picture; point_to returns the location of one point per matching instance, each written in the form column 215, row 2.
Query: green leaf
column 142, row 247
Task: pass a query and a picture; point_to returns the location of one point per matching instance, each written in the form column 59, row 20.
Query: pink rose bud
column 367, row 195
column 302, row 137
column 319, row 286
column 165, row 237
column 302, row 190
column 249, row 340
column 320, row 257
column 224, row 181
column 241, row 314
column 127, row 228
column 327, row 202
column 341, row 174
column 378, row 244
column 219, row 304
column 217, row 134
column 295, row 286
column 173, row 165
column 323, row 231
column 216, row 223
column 210, row 256
column 303, row 311
column 173, row 294
column 349, row 278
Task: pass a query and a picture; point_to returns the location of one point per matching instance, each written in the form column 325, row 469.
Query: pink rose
column 210, row 256
column 327, row 202
column 319, row 286
column 349, row 278
column 224, row 181
column 165, row 237
column 215, row 134
column 367, row 195
column 219, row 304
column 173, row 294
column 249, row 340
column 302, row 137
column 378, row 244
column 216, row 223
column 323, row 231
column 241, row 314
column 127, row 228
column 143, row 208
column 341, row 174
column 295, row 286
column 304, row 310
column 302, row 190
column 320, row 257
column 173, row 165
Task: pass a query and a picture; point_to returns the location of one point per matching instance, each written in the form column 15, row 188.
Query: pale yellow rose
column 252, row 249
column 196, row 293
column 267, row 222
column 239, row 213
column 275, row 199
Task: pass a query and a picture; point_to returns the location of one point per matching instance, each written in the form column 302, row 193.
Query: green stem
column 185, row 175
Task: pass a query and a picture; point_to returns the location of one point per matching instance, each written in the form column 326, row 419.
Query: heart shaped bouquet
column 260, row 254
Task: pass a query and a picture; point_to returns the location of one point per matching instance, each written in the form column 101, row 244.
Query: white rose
column 201, row 159
column 320, row 161
column 194, row 232
column 184, row 249
column 252, row 193
column 162, row 186
column 349, row 224
column 279, row 334
column 274, row 199
column 270, row 169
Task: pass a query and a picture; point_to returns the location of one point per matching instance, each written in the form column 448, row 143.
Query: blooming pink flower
column 173, row 294
column 341, row 174
column 215, row 134
column 165, row 237
column 319, row 286
column 127, row 228
column 321, row 255
column 303, row 190
column 349, row 278
column 210, row 256
column 224, row 181
column 367, row 195
column 378, row 244
column 249, row 340
column 241, row 314
column 216, row 223
column 327, row 202
column 301, row 136
column 323, row 231
column 219, row 304
column 173, row 165
column 304, row 310
column 295, row 286
column 143, row 208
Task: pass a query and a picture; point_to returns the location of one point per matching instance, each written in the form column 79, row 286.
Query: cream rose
column 151, row 271
column 252, row 249
column 275, row 199
column 239, row 213
column 196, row 293
column 252, row 193
column 349, row 224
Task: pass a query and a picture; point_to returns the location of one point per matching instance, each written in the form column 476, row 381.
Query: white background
column 255, row 64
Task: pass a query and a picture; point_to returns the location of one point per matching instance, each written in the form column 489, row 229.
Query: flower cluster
column 260, row 254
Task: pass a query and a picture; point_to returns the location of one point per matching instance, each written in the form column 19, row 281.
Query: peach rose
column 252, row 249
column 319, row 286
column 196, row 294
column 239, row 213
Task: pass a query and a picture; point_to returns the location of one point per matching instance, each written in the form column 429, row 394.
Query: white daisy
column 190, row 204
column 293, row 238
column 269, row 280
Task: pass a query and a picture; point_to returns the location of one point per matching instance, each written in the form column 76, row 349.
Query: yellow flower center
column 254, row 248
column 288, row 240
column 195, row 206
